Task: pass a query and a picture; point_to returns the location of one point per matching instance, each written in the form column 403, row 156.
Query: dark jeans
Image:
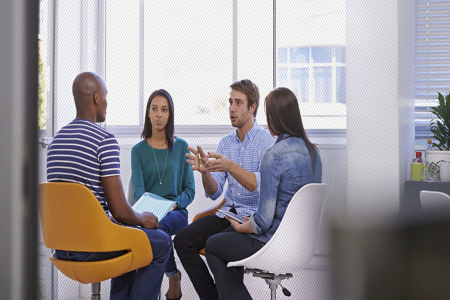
column 188, row 242
column 223, row 248
column 143, row 283
column 171, row 224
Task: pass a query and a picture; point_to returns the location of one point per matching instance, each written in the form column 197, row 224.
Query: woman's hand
column 244, row 227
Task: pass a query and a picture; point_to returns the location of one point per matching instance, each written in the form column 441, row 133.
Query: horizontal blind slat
column 420, row 69
column 432, row 4
column 432, row 47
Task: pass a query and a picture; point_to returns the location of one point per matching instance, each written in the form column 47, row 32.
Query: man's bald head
column 86, row 84
column 89, row 90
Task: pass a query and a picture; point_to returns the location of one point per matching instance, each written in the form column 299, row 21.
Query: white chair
column 292, row 246
column 431, row 200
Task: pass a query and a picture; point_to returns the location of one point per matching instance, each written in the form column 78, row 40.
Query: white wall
column 380, row 106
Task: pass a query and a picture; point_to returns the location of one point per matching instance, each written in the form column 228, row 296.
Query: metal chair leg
column 273, row 292
column 272, row 280
column 273, row 284
column 95, row 291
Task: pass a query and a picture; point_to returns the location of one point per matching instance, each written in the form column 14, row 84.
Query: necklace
column 159, row 176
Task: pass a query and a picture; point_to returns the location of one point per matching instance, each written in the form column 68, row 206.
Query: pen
column 199, row 158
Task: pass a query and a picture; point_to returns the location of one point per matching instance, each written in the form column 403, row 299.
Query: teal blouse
column 178, row 182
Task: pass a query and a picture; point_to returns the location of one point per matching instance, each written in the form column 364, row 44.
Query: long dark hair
column 283, row 116
column 147, row 132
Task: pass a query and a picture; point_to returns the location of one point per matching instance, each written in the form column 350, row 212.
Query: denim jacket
column 284, row 169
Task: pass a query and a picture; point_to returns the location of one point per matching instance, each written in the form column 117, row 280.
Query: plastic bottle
column 429, row 144
column 418, row 159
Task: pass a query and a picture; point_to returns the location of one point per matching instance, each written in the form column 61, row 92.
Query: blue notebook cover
column 155, row 204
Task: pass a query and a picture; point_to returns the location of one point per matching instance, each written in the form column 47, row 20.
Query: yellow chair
column 208, row 212
column 72, row 219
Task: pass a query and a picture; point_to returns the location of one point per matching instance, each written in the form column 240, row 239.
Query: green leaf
column 440, row 125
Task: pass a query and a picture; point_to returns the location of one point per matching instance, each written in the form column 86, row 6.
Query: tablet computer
column 231, row 215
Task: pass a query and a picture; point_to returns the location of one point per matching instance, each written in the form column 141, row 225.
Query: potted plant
column 440, row 127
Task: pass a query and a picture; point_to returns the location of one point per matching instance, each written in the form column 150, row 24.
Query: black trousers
column 220, row 250
column 189, row 241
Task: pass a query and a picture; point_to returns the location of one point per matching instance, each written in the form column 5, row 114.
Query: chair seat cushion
column 95, row 271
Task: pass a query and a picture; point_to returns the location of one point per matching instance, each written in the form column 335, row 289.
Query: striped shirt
column 246, row 154
column 83, row 152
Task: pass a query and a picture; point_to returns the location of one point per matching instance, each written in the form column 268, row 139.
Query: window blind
column 432, row 60
column 432, row 73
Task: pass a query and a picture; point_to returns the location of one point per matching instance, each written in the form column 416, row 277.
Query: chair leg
column 273, row 284
column 273, row 293
column 95, row 290
column 272, row 280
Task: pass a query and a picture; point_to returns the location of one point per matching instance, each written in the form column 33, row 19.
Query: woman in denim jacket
column 285, row 167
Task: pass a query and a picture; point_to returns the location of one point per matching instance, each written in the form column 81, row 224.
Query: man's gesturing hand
column 193, row 159
column 220, row 163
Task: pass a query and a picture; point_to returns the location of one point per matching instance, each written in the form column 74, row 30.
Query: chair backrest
column 292, row 246
column 73, row 219
column 432, row 200
column 130, row 197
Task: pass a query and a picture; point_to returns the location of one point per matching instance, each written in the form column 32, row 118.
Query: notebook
column 155, row 204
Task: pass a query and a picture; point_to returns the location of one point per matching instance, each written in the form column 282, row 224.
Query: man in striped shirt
column 83, row 152
column 236, row 161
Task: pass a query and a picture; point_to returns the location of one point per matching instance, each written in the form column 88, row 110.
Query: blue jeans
column 171, row 224
column 143, row 283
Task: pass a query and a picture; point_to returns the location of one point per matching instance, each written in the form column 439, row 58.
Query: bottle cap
column 418, row 154
column 429, row 141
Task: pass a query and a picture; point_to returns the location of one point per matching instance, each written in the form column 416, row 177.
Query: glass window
column 190, row 54
column 196, row 58
column 299, row 55
column 190, row 57
column 45, row 40
column 340, row 85
column 282, row 55
column 282, row 76
column 340, row 54
column 316, row 82
column 255, row 48
column 300, row 84
column 314, row 34
column 322, row 84
column 321, row 54
column 122, row 62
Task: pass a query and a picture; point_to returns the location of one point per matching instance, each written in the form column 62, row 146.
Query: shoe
column 179, row 298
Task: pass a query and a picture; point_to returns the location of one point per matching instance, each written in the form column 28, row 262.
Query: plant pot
column 433, row 160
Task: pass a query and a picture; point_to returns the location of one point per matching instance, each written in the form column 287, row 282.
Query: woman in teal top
column 159, row 166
